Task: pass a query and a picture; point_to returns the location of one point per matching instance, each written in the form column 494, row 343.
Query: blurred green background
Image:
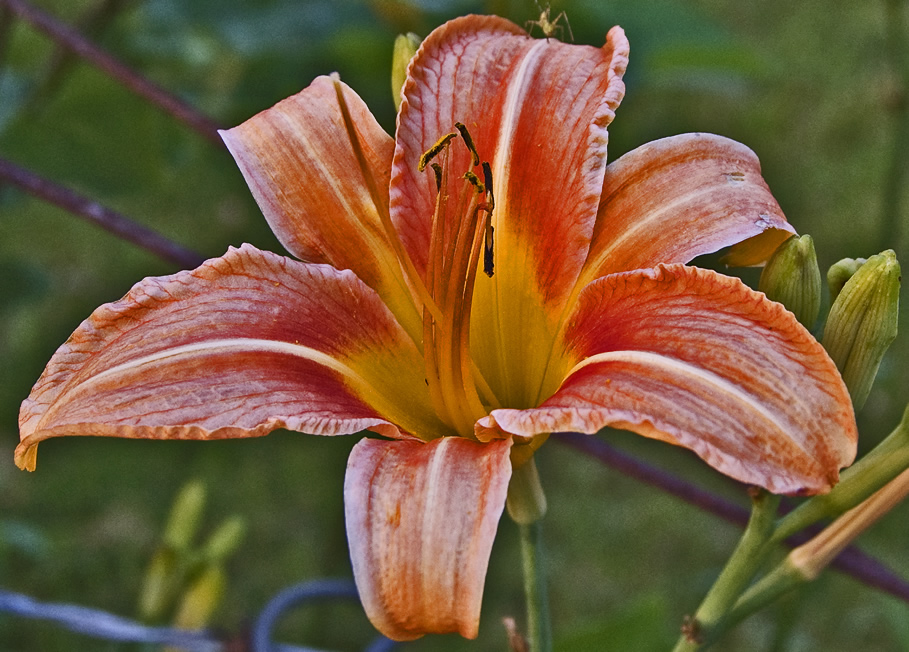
column 818, row 89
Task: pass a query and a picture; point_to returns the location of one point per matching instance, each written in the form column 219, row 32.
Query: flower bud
column 159, row 586
column 201, row 598
column 184, row 516
column 405, row 47
column 225, row 540
column 841, row 272
column 793, row 278
column 862, row 323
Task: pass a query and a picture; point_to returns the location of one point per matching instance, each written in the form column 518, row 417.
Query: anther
column 487, row 180
column 434, row 151
column 488, row 241
column 475, row 181
column 437, row 169
column 468, row 141
column 488, row 248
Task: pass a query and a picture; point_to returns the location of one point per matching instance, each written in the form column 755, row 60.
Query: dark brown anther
column 488, row 248
column 468, row 140
column 433, row 151
column 475, row 181
column 437, row 169
column 487, row 181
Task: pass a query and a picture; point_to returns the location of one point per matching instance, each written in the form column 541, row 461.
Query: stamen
column 489, row 248
column 488, row 251
column 468, row 140
column 437, row 169
column 459, row 232
column 487, row 179
column 475, row 181
column 434, row 151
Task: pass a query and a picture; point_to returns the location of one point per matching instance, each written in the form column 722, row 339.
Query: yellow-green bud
column 406, row 46
column 862, row 323
column 225, row 540
column 841, row 272
column 793, row 278
column 159, row 586
column 184, row 516
column 201, row 598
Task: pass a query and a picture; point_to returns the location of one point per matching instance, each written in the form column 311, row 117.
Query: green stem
column 539, row 633
column 750, row 552
column 781, row 580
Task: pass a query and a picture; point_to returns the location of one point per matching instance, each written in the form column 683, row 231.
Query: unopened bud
column 793, row 278
column 201, row 598
column 225, row 540
column 184, row 516
column 159, row 586
column 406, row 46
column 862, row 323
column 841, row 272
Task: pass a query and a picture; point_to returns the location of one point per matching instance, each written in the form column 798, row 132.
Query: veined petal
column 698, row 359
column 421, row 519
column 676, row 198
column 299, row 164
column 241, row 346
column 537, row 111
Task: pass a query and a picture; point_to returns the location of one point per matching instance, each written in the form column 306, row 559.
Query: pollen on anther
column 434, row 151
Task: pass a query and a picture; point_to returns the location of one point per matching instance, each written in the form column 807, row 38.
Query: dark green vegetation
column 819, row 90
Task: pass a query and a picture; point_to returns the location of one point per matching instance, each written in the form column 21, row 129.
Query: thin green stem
column 539, row 633
column 750, row 552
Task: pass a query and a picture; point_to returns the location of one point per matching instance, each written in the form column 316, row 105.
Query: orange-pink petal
column 680, row 197
column 421, row 519
column 537, row 111
column 698, row 359
column 299, row 163
column 244, row 344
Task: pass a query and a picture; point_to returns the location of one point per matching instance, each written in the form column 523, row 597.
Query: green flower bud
column 225, row 540
column 405, row 47
column 159, row 586
column 841, row 272
column 862, row 323
column 201, row 598
column 793, row 278
column 184, row 516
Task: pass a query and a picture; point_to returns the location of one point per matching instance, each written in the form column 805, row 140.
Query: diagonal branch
column 851, row 561
column 99, row 215
column 71, row 39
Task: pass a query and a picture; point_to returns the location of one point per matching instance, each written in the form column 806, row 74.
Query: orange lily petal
column 298, row 161
column 421, row 519
column 676, row 198
column 537, row 111
column 243, row 345
column 698, row 359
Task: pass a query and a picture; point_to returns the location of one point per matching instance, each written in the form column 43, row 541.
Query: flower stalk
column 749, row 554
column 539, row 631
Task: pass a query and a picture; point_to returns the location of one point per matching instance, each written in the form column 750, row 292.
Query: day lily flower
column 468, row 287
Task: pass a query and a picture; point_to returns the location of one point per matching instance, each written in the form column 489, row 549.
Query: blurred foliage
column 818, row 90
